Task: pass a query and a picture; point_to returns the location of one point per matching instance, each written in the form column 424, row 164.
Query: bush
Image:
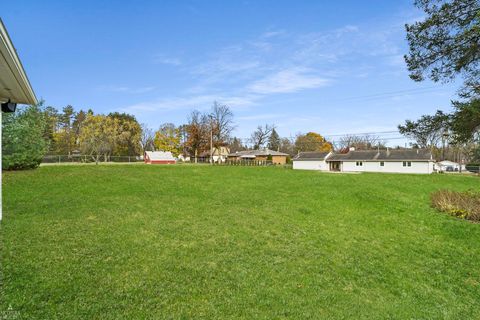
column 465, row 205
column 24, row 144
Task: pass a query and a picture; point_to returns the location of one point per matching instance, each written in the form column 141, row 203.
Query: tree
column 183, row 131
column 260, row 136
column 78, row 120
column 167, row 138
column 312, row 141
column 287, row 146
column 221, row 124
column 128, row 135
column 51, row 117
column 274, row 140
column 427, row 131
column 24, row 142
column 146, row 138
column 446, row 43
column 466, row 120
column 360, row 142
column 197, row 133
column 64, row 137
column 98, row 136
column 236, row 145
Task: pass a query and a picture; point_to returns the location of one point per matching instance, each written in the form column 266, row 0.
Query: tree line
column 444, row 46
column 35, row 131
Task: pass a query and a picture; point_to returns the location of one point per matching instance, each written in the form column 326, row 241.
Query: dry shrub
column 465, row 205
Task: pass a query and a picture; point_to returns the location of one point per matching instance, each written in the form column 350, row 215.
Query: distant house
column 447, row 165
column 394, row 161
column 159, row 157
column 218, row 155
column 259, row 155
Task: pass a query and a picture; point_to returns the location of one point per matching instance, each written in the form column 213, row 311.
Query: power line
column 390, row 94
column 360, row 133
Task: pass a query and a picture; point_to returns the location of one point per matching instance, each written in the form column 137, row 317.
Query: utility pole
column 444, row 137
column 211, row 139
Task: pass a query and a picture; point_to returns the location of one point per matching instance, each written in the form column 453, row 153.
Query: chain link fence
column 50, row 159
column 89, row 159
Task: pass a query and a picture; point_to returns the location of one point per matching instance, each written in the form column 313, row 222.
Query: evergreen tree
column 274, row 140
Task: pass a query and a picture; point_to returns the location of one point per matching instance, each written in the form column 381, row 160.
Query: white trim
column 21, row 91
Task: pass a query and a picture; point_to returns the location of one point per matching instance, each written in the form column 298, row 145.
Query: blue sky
column 333, row 67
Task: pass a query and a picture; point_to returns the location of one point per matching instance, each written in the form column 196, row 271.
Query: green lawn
column 183, row 242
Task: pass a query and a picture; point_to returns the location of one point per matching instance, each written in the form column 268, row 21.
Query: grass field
column 184, row 242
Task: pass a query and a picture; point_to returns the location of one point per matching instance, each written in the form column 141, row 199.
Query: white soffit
column 14, row 84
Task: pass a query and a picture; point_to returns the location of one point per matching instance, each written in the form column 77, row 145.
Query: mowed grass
column 200, row 242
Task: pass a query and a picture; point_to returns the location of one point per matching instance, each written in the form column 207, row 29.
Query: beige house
column 259, row 155
column 218, row 154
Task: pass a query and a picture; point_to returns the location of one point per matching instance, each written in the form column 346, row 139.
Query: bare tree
column 261, row 135
column 235, row 145
column 198, row 133
column 360, row 142
column 146, row 138
column 287, row 145
column 221, row 124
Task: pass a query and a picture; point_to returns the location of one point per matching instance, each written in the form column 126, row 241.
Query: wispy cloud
column 125, row 89
column 192, row 102
column 266, row 116
column 279, row 62
column 286, row 81
column 160, row 59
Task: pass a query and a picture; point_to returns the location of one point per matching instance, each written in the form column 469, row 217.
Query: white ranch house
column 392, row 161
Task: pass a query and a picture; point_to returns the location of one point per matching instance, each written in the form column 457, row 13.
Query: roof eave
column 9, row 57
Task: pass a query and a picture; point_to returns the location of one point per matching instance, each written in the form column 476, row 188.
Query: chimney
column 417, row 151
column 388, row 151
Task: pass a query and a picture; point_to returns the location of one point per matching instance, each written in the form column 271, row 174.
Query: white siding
column 389, row 166
column 310, row 165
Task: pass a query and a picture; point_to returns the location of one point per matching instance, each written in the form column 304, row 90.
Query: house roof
column 256, row 153
column 309, row 156
column 160, row 155
column 383, row 155
column 14, row 83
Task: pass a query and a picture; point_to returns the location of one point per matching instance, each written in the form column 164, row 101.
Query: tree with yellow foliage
column 312, row 141
column 167, row 138
column 98, row 136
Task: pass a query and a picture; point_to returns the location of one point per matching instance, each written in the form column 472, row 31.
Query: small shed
column 159, row 157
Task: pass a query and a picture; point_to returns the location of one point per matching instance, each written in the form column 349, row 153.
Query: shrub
column 23, row 145
column 465, row 205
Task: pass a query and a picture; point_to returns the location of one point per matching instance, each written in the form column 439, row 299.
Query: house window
column 359, row 163
column 407, row 163
column 382, row 163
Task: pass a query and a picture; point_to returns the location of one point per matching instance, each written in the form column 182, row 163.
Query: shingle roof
column 263, row 152
column 353, row 155
column 160, row 155
column 382, row 155
column 314, row 155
